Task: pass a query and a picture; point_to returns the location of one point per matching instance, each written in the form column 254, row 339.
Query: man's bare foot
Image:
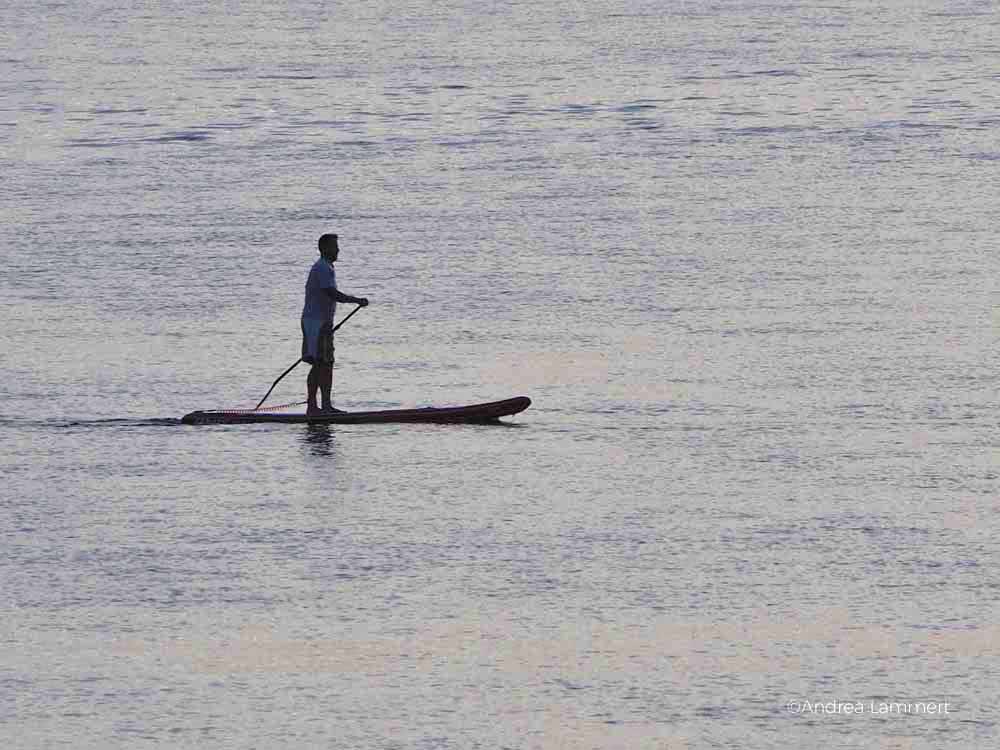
column 331, row 409
column 312, row 410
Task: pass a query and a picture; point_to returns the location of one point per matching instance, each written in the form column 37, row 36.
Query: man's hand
column 363, row 301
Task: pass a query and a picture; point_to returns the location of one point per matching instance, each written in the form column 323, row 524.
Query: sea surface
column 742, row 256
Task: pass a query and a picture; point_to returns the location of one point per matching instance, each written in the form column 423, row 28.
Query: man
column 322, row 297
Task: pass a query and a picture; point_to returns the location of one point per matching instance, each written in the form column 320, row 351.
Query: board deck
column 471, row 413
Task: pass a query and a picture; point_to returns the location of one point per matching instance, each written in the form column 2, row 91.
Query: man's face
column 332, row 253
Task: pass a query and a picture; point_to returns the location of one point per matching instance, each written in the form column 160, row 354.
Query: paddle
column 347, row 318
column 296, row 362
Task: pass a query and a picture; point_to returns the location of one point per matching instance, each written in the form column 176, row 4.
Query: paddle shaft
column 347, row 318
column 296, row 362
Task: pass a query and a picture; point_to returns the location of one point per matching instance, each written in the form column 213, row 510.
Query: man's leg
column 325, row 378
column 325, row 373
column 312, row 383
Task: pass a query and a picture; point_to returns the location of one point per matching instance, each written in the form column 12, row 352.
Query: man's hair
column 327, row 242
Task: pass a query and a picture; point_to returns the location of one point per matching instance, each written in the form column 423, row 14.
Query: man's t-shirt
column 319, row 305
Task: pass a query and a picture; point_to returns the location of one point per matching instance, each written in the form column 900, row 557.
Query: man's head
column 328, row 247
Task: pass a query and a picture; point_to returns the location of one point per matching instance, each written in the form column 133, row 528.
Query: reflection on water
column 319, row 439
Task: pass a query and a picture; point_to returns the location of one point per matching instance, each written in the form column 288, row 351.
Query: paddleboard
column 471, row 413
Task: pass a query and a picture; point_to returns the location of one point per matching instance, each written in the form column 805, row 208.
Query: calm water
column 741, row 255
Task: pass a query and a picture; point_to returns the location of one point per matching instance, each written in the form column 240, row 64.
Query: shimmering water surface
column 741, row 255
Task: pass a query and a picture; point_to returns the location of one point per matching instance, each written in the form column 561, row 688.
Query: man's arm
column 339, row 296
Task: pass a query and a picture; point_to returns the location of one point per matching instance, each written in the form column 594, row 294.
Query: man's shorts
column 317, row 342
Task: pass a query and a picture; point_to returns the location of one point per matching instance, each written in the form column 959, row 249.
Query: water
column 738, row 253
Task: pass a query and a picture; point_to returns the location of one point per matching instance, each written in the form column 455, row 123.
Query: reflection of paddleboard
column 489, row 412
